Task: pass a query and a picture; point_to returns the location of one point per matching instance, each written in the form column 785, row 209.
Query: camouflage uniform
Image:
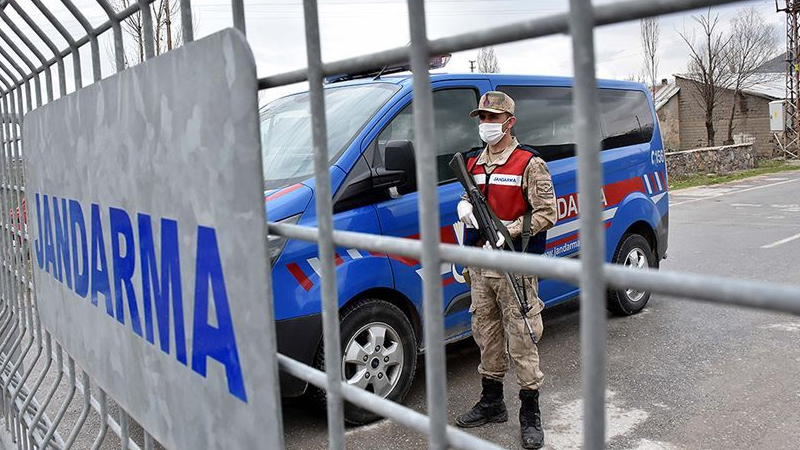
column 497, row 324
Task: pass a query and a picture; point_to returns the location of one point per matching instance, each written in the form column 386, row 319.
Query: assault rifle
column 491, row 229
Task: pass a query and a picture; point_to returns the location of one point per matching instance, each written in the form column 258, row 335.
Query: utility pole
column 472, row 65
column 791, row 134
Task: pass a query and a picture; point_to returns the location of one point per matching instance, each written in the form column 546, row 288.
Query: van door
column 455, row 132
column 544, row 121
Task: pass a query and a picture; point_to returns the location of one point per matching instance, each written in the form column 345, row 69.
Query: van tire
column 633, row 251
column 357, row 322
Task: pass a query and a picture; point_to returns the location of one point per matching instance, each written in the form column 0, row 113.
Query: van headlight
column 275, row 244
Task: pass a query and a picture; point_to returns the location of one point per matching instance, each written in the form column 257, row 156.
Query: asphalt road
column 681, row 374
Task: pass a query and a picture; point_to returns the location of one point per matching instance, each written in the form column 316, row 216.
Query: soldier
column 516, row 183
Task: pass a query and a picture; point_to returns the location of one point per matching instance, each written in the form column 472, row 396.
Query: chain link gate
column 42, row 383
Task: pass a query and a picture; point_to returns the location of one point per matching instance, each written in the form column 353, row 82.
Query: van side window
column 455, row 131
column 627, row 119
column 544, row 119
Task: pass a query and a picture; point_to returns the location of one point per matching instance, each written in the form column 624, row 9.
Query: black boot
column 530, row 420
column 491, row 407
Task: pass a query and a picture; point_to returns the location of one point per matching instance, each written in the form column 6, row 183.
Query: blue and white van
column 380, row 295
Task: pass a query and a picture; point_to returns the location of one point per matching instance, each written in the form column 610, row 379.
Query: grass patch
column 764, row 167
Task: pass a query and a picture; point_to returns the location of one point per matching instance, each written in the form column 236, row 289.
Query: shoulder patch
column 544, row 188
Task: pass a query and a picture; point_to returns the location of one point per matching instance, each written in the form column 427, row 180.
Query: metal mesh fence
column 48, row 401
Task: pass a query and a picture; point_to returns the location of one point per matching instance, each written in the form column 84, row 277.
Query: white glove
column 466, row 215
column 500, row 243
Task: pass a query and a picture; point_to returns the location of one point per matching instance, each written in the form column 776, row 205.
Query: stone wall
column 718, row 160
column 751, row 121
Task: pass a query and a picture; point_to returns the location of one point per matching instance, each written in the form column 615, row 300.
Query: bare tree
column 487, row 60
column 638, row 77
column 649, row 32
column 753, row 43
column 708, row 67
column 167, row 30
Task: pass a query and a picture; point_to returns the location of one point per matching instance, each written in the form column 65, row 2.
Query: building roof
column 772, row 86
column 664, row 94
column 774, row 65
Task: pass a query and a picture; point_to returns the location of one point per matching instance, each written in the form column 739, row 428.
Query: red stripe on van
column 298, row 275
column 561, row 241
column 616, row 192
column 283, row 192
column 407, row 261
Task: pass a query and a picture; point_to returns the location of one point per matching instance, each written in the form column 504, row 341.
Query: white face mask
column 491, row 133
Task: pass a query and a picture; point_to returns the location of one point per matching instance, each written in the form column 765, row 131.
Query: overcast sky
column 351, row 27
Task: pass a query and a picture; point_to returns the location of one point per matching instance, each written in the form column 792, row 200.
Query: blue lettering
column 63, row 252
column 62, row 243
column 99, row 271
column 208, row 341
column 39, row 242
column 49, row 250
column 78, row 224
column 170, row 278
column 124, row 266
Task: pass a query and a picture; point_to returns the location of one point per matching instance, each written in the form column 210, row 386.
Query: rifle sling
column 526, row 229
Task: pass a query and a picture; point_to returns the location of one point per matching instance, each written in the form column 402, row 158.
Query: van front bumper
column 298, row 338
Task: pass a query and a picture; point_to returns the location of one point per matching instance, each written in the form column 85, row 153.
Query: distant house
column 682, row 118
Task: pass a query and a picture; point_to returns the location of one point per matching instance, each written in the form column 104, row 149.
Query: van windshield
column 286, row 144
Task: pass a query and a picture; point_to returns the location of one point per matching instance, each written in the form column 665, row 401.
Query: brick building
column 682, row 118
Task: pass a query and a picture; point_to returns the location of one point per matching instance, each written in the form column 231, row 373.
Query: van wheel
column 633, row 251
column 379, row 354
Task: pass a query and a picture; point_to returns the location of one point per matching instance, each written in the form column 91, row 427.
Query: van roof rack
column 436, row 62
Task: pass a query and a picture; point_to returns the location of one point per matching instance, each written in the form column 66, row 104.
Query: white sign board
column 148, row 227
column 776, row 116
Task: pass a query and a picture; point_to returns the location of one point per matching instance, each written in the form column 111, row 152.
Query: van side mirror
column 400, row 157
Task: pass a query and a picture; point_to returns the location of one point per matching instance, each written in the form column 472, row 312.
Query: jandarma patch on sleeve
column 544, row 188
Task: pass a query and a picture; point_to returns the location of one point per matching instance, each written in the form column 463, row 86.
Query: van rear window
column 545, row 120
column 627, row 119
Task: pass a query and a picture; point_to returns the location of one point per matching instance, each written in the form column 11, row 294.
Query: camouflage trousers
column 500, row 332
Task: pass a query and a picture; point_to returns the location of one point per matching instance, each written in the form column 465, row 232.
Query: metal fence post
column 48, row 77
column 103, row 413
column 147, row 25
column 324, row 209
column 186, row 21
column 119, row 46
column 76, row 55
column 593, row 311
column 32, row 74
column 237, row 8
column 87, row 27
column 428, row 201
column 62, row 78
